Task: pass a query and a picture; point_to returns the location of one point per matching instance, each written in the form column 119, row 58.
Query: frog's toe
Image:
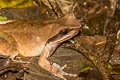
column 20, row 61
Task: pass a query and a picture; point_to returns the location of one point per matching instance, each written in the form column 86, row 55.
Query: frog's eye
column 64, row 31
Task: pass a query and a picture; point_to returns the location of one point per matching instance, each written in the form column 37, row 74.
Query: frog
column 30, row 38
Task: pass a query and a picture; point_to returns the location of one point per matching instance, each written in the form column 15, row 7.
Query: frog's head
column 64, row 29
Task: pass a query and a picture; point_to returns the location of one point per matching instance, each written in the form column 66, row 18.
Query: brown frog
column 33, row 38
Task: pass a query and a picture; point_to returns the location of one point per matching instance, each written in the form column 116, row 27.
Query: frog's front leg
column 54, row 68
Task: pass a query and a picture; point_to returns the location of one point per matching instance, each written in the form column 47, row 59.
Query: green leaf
column 86, row 66
column 2, row 18
column 15, row 3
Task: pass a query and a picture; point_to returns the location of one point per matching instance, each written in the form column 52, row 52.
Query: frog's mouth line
column 58, row 39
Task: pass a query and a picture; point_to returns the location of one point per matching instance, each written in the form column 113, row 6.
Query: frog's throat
column 51, row 48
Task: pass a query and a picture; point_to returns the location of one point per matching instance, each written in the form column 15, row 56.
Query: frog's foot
column 20, row 61
column 58, row 71
column 55, row 69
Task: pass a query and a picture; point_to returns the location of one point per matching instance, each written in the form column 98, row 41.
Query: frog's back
column 21, row 25
column 27, row 36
